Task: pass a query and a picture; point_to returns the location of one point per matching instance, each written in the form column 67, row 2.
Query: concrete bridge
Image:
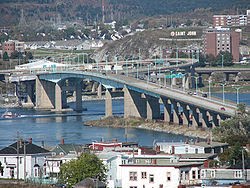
column 141, row 99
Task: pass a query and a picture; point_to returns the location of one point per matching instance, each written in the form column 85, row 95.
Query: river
column 44, row 127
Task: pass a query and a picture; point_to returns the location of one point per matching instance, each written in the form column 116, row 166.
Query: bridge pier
column 99, row 91
column 186, row 115
column 58, row 97
column 78, row 89
column 205, row 121
column 45, row 94
column 134, row 104
column 195, row 117
column 108, row 104
column 153, row 107
column 30, row 93
column 176, row 118
column 167, row 109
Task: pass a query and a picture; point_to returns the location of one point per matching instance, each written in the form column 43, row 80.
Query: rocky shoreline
column 153, row 125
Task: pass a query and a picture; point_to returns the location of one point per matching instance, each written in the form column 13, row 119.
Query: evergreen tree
column 6, row 56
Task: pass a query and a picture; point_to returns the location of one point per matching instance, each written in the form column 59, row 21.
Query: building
column 222, row 39
column 222, row 176
column 194, row 147
column 62, row 153
column 23, row 160
column 9, row 47
column 231, row 20
column 159, row 171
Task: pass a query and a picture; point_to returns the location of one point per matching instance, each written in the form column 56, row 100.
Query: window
column 151, row 178
column 168, row 176
column 143, row 175
column 199, row 174
column 238, row 174
column 193, row 174
column 203, row 173
column 212, row 173
column 186, row 149
column 161, row 186
column 133, row 176
column 132, row 186
column 196, row 150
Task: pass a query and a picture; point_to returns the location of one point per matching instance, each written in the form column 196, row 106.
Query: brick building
column 222, row 39
column 13, row 45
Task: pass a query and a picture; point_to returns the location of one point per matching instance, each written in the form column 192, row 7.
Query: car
column 223, row 108
column 204, row 95
column 190, row 92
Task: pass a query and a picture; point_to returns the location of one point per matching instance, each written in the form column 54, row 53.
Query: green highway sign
column 178, row 75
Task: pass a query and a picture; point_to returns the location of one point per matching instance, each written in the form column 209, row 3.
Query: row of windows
column 133, row 176
column 213, row 173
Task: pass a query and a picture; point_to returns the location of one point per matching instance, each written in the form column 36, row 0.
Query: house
column 193, row 147
column 218, row 176
column 23, row 160
column 62, row 153
column 159, row 171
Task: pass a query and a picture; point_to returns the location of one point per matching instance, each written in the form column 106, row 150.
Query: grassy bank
column 153, row 125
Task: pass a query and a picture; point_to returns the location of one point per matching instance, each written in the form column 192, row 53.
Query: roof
column 40, row 64
column 67, row 148
column 199, row 144
column 29, row 147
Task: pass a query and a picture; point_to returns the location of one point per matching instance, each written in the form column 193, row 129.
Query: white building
column 22, row 160
column 159, row 171
column 190, row 147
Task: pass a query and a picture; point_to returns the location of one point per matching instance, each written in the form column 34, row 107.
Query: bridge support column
column 187, row 82
column 173, row 83
column 108, row 104
column 200, row 81
column 45, row 93
column 237, row 77
column 216, row 119
column 30, row 93
column 79, row 96
column 64, row 99
column 94, row 86
column 167, row 110
column 185, row 115
column 58, row 97
column 176, row 118
column 205, row 119
column 195, row 117
column 99, row 91
column 153, row 108
column 227, row 75
column 134, row 104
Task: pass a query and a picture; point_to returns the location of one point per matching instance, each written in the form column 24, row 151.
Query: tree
column 234, row 130
column 86, row 166
column 211, row 60
column 226, row 57
column 6, row 56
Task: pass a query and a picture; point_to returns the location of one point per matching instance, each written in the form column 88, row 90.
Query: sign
column 179, row 75
column 183, row 33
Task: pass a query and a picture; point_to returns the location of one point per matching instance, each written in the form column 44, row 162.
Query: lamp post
column 148, row 73
column 177, row 56
column 223, row 92
column 222, row 60
column 209, row 88
column 127, row 67
column 237, row 95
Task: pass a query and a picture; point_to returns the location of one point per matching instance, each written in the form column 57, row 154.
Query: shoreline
column 152, row 125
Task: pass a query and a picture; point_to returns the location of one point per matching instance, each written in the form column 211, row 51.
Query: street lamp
column 196, row 83
column 209, row 88
column 222, row 60
column 148, row 73
column 177, row 56
column 237, row 95
column 223, row 92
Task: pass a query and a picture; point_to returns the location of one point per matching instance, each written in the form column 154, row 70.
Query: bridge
column 142, row 98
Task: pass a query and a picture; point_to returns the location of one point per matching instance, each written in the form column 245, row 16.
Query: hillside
column 90, row 11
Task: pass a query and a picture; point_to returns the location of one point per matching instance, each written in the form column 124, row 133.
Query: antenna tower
column 22, row 21
column 103, row 11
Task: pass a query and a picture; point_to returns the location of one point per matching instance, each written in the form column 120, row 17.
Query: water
column 243, row 97
column 51, row 130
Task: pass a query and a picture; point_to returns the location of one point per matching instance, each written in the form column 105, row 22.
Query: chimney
column 139, row 151
column 62, row 141
column 158, row 149
column 30, row 140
